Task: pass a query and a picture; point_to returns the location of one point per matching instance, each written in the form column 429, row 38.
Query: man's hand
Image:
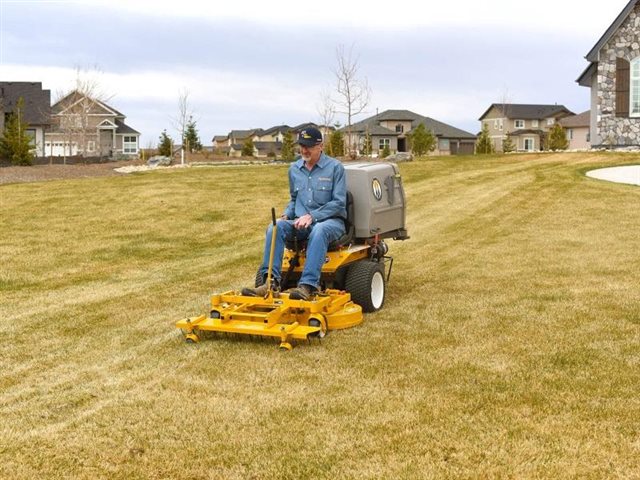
column 303, row 221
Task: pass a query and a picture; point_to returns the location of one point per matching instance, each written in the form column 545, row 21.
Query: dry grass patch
column 509, row 345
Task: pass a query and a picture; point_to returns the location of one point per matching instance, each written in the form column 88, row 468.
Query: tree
column 558, row 138
column 422, row 141
column 326, row 109
column 367, row 147
column 288, row 153
column 165, row 146
column 76, row 111
column 335, row 145
column 484, row 144
column 353, row 93
column 385, row 151
column 185, row 114
column 15, row 144
column 247, row 147
column 191, row 139
column 507, row 144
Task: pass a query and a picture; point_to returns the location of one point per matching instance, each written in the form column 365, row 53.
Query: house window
column 31, row 133
column 551, row 121
column 399, row 128
column 443, row 144
column 382, row 143
column 130, row 144
column 534, row 123
column 91, row 146
column 634, row 91
column 519, row 124
column 528, row 144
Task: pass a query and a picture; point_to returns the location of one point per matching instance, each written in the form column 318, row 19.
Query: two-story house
column 577, row 130
column 613, row 75
column 36, row 109
column 527, row 125
column 392, row 128
column 85, row 126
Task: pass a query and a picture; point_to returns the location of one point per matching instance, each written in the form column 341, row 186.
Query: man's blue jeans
column 318, row 235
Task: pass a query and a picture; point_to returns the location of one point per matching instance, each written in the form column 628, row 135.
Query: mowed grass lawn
column 509, row 345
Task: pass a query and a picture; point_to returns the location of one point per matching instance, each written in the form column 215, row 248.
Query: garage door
column 60, row 149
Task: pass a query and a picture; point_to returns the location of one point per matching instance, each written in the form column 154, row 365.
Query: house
column 273, row 134
column 220, row 141
column 577, row 129
column 392, row 127
column 527, row 125
column 36, row 110
column 238, row 137
column 613, row 75
column 89, row 127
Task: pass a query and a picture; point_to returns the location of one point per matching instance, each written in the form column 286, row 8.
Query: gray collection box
column 378, row 200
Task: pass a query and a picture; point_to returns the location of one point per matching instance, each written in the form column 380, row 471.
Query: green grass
column 509, row 345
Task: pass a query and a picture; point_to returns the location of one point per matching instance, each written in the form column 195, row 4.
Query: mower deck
column 275, row 316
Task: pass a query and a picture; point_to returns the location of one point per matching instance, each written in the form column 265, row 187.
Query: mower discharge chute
column 353, row 277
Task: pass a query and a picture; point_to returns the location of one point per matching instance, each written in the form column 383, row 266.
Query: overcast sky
column 253, row 64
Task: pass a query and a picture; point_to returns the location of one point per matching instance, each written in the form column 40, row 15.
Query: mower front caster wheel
column 191, row 338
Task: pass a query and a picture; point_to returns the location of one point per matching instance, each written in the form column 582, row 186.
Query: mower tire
column 366, row 283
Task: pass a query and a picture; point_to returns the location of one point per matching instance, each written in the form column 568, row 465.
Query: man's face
column 311, row 154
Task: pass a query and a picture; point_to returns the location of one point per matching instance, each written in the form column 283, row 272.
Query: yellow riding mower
column 353, row 277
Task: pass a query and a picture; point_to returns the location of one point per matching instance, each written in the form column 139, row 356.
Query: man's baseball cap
column 310, row 137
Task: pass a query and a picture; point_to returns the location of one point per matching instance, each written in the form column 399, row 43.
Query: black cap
column 310, row 137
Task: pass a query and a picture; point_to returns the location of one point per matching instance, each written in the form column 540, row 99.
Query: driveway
column 627, row 174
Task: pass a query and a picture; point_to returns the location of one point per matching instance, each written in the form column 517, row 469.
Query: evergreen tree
column 15, row 144
column 385, row 151
column 507, row 144
column 247, row 147
column 422, row 141
column 191, row 139
column 164, row 147
column 558, row 138
column 484, row 144
column 288, row 152
column 336, row 144
column 367, row 146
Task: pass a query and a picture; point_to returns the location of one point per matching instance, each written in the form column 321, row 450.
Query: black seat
column 345, row 239
column 349, row 227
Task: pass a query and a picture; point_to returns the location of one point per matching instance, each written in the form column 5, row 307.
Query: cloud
column 545, row 15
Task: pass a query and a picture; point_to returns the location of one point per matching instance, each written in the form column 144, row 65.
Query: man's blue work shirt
column 322, row 192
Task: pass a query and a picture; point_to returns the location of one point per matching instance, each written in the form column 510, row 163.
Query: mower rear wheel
column 366, row 284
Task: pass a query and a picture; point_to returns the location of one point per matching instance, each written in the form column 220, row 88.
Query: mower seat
column 345, row 239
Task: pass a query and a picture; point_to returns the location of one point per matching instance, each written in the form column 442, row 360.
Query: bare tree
column 180, row 123
column 505, row 107
column 353, row 93
column 75, row 114
column 326, row 110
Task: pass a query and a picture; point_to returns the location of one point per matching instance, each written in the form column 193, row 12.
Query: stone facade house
column 527, row 125
column 36, row 110
column 89, row 127
column 578, row 132
column 613, row 75
column 392, row 128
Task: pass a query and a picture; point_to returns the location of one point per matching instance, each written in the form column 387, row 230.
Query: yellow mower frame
column 276, row 316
